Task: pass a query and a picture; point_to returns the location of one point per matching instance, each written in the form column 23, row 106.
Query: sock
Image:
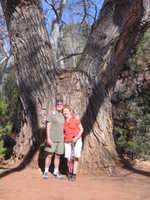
column 56, row 170
column 46, row 169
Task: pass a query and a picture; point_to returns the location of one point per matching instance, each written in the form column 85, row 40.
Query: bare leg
column 75, row 167
column 70, row 165
column 47, row 164
column 56, row 167
column 72, row 168
column 48, row 161
column 56, row 163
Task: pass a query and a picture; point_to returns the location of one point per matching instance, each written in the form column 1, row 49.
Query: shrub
column 9, row 112
column 132, row 107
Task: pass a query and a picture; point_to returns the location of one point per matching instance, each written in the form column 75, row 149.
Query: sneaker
column 45, row 175
column 58, row 175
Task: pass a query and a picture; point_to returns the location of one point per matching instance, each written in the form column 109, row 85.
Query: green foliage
column 2, row 148
column 133, row 128
column 9, row 110
column 3, row 106
column 132, row 110
column 6, row 125
column 14, row 106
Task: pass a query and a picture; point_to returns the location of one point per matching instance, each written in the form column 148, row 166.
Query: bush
column 6, row 124
column 9, row 112
column 132, row 107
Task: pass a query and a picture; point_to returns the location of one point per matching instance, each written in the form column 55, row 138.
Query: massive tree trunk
column 88, row 89
column 35, row 69
column 118, row 30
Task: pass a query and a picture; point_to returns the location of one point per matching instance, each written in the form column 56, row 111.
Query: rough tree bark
column 34, row 68
column 88, row 89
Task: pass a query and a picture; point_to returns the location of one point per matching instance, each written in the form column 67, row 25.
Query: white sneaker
column 58, row 175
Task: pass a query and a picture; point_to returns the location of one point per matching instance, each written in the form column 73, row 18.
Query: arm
column 48, row 139
column 79, row 134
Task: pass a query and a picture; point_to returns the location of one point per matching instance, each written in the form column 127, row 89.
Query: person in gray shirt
column 54, row 139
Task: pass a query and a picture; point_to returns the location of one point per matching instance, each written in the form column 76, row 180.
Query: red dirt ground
column 28, row 184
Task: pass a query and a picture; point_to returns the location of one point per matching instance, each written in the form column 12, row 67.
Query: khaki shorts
column 57, row 147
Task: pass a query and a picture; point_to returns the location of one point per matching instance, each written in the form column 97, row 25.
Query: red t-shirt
column 71, row 128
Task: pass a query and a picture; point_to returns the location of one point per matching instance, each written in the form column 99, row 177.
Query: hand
column 74, row 139
column 49, row 142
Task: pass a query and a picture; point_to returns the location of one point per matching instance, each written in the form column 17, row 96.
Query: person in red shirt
column 73, row 142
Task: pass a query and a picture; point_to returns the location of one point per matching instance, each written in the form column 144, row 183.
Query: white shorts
column 73, row 149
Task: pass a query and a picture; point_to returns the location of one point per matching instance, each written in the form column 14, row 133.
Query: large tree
column 87, row 89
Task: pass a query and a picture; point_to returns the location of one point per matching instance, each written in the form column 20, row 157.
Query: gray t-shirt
column 57, row 126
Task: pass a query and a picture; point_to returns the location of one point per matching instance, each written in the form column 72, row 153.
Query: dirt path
column 28, row 184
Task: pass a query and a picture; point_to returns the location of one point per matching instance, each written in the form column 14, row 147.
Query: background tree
column 69, row 24
column 6, row 58
column 88, row 89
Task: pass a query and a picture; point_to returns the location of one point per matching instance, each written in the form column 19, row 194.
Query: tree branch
column 69, row 56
